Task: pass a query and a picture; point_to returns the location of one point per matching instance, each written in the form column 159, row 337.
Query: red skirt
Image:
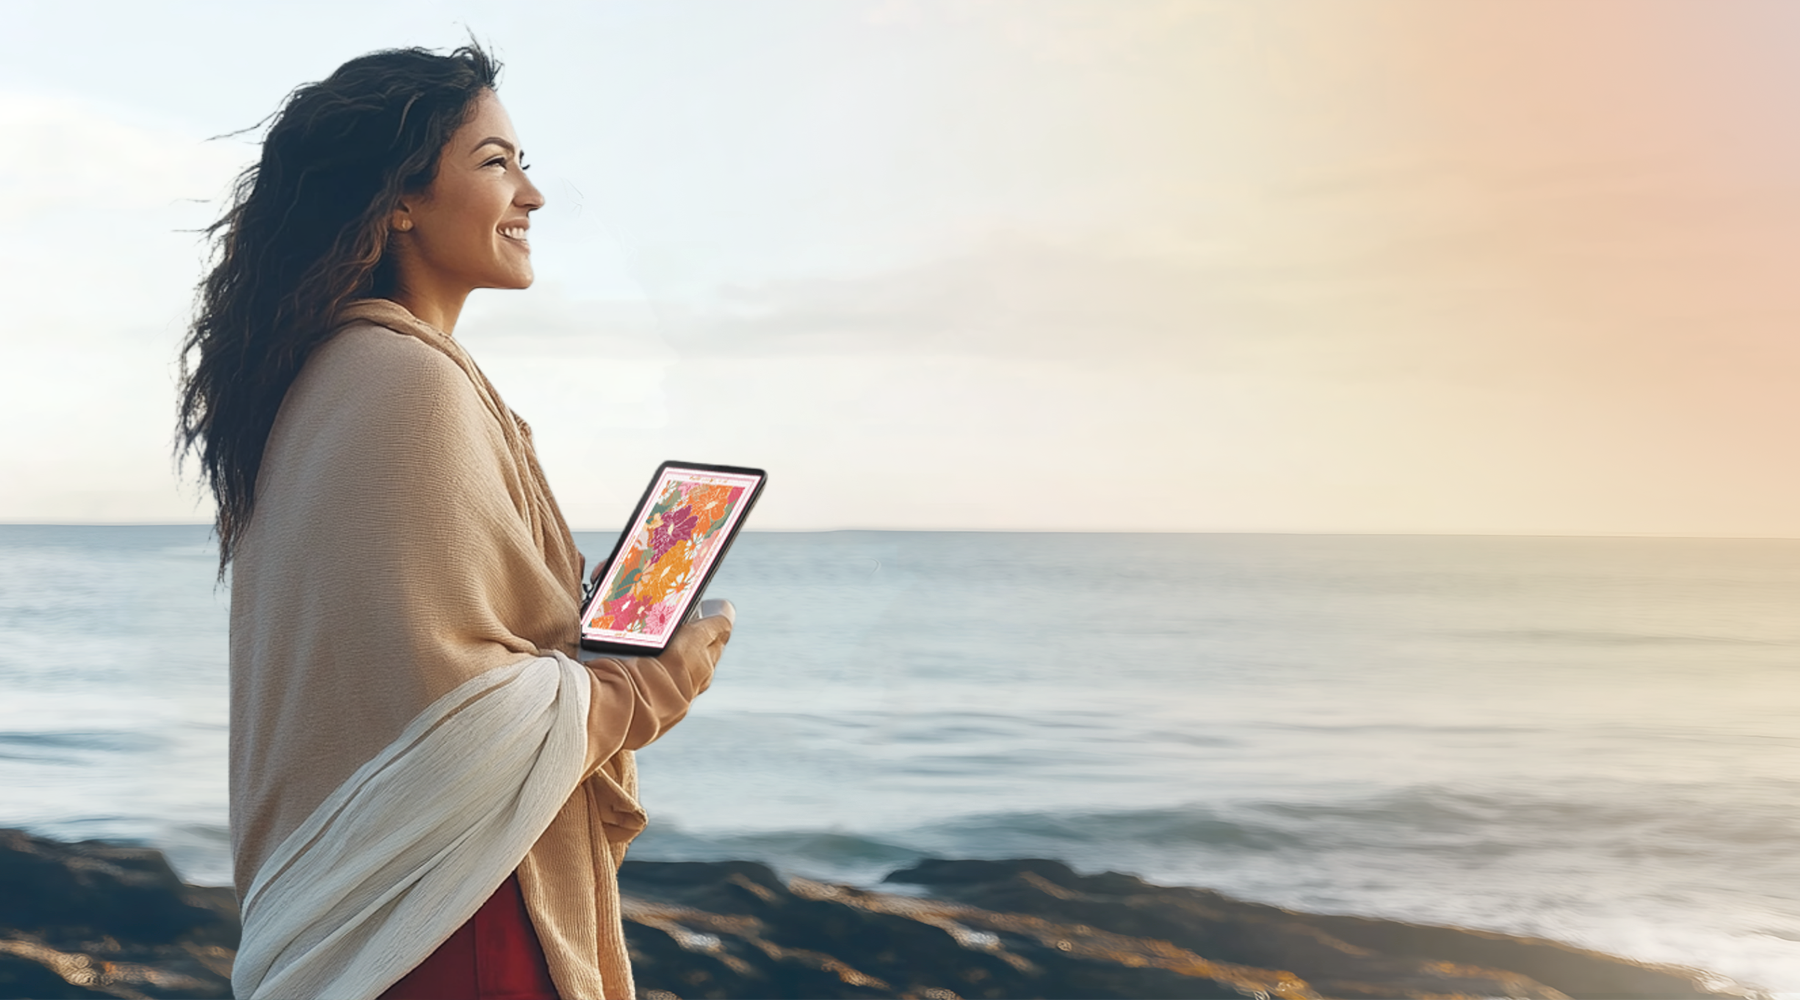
column 495, row 956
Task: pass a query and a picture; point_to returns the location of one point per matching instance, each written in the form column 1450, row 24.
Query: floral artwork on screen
column 671, row 547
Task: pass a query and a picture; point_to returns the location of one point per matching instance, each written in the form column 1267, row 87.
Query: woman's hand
column 637, row 698
column 715, row 607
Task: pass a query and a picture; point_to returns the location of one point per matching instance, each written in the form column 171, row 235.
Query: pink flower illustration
column 658, row 618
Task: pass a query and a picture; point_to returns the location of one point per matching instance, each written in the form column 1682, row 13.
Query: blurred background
column 1518, row 267
column 1333, row 453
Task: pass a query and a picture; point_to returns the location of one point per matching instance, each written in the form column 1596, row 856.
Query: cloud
column 98, row 219
column 98, row 263
column 553, row 320
column 1081, row 35
column 1013, row 298
column 74, row 155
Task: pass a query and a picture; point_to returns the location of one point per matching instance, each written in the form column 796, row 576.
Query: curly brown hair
column 305, row 232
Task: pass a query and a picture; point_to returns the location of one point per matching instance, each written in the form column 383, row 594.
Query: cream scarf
column 405, row 852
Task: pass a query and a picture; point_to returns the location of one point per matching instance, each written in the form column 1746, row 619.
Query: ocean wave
column 1441, row 830
column 73, row 745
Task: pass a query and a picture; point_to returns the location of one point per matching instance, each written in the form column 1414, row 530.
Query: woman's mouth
column 516, row 234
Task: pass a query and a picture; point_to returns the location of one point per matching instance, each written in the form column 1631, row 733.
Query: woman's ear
column 400, row 220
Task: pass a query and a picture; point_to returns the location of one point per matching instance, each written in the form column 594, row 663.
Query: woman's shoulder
column 369, row 383
column 366, row 352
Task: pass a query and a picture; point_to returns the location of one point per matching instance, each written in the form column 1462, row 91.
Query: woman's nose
column 529, row 197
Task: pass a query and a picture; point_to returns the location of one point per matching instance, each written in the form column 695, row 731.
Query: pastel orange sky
column 1398, row 265
column 1575, row 223
column 1640, row 178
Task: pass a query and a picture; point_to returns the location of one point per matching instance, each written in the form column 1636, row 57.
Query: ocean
column 1595, row 740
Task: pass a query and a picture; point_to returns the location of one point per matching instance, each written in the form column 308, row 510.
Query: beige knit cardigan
column 403, row 542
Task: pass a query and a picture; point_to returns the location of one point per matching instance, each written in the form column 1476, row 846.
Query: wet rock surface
column 94, row 919
column 98, row 920
column 1034, row 928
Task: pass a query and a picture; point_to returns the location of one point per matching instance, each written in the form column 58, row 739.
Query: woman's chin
column 516, row 280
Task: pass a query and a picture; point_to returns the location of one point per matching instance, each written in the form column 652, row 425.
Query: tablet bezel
column 694, row 594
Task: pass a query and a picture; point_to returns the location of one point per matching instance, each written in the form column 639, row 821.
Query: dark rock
column 1339, row 956
column 1034, row 927
column 125, row 892
column 99, row 920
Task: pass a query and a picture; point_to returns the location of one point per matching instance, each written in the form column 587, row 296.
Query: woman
column 429, row 798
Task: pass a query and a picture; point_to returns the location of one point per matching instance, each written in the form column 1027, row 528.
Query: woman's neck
column 441, row 310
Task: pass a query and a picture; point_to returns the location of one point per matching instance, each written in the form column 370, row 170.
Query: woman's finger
column 718, row 606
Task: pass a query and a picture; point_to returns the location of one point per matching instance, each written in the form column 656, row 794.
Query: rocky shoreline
column 93, row 919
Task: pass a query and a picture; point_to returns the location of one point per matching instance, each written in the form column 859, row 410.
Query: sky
column 1498, row 266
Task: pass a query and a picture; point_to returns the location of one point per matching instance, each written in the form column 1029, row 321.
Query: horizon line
column 1298, row 532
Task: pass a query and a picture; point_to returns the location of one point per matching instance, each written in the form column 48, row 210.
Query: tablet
column 673, row 542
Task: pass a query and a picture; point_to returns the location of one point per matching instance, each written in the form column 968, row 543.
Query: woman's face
column 467, row 229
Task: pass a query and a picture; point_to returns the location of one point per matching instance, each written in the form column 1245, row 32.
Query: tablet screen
column 667, row 554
